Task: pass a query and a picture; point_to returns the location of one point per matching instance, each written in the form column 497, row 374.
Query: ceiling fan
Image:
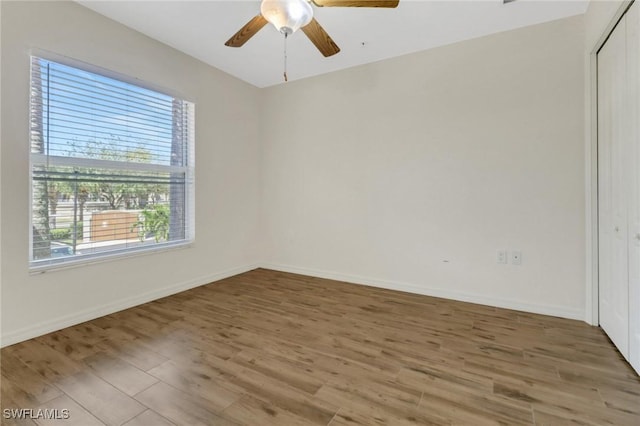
column 288, row 16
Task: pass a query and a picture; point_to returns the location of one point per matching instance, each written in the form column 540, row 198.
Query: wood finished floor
column 269, row 348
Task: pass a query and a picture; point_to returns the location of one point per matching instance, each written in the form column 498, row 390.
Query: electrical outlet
column 502, row 257
column 516, row 257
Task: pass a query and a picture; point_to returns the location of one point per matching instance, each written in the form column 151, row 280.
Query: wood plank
column 119, row 374
column 44, row 360
column 252, row 411
column 198, row 380
column 75, row 342
column 134, row 351
column 14, row 398
column 78, row 416
column 282, row 395
column 100, row 398
column 179, row 407
column 148, row 418
column 21, row 376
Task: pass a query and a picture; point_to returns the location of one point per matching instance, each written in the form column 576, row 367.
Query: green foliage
column 60, row 234
column 66, row 233
column 118, row 195
column 154, row 221
column 79, row 229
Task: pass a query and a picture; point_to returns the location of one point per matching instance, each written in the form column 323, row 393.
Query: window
column 112, row 166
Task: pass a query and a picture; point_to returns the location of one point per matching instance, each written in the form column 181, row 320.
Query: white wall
column 227, row 171
column 410, row 173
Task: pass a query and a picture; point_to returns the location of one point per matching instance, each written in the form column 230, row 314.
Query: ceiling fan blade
column 320, row 38
column 356, row 3
column 249, row 30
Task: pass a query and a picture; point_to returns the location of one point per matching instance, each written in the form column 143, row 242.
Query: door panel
column 613, row 189
column 633, row 90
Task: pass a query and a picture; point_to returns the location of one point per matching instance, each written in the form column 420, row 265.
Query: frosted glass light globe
column 288, row 16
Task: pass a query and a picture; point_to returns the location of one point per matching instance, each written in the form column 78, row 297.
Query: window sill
column 81, row 261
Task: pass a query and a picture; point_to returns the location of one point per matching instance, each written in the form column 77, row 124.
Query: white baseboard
column 89, row 314
column 556, row 311
column 99, row 311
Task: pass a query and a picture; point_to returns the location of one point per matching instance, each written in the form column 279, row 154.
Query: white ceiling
column 200, row 29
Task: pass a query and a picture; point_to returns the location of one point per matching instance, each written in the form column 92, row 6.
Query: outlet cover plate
column 516, row 257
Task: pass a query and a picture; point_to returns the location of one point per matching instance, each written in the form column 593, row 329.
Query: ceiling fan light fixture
column 288, row 16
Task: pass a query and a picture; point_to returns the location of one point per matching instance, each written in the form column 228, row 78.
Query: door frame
column 592, row 315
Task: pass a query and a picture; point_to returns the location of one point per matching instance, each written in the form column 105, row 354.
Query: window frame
column 50, row 264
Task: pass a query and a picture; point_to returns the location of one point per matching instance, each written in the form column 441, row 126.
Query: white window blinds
column 112, row 166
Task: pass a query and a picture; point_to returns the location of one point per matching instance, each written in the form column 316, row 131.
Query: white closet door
column 613, row 189
column 633, row 90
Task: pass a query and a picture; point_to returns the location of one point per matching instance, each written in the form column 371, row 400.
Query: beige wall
column 227, row 170
column 412, row 172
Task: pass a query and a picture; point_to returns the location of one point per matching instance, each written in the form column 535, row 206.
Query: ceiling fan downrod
column 286, row 34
